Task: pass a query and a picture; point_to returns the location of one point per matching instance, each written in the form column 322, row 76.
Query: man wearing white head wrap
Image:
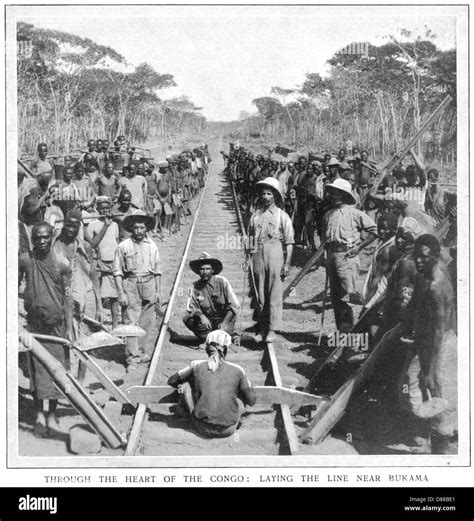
column 210, row 389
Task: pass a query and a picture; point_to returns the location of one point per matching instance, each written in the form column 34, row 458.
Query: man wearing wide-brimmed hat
column 342, row 227
column 137, row 275
column 212, row 303
column 272, row 234
column 333, row 166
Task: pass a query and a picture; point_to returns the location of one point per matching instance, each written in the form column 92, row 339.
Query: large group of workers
column 93, row 227
column 89, row 230
column 402, row 224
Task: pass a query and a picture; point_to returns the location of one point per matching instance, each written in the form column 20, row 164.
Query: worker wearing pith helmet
column 272, row 239
column 342, row 227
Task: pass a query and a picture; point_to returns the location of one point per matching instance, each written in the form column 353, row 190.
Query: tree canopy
column 72, row 88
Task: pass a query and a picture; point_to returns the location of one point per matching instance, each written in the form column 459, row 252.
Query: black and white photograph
column 239, row 238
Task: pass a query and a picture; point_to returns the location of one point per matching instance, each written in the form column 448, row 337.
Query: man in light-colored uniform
column 271, row 231
column 342, row 227
column 137, row 276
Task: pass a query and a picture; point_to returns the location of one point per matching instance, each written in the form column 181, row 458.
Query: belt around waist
column 266, row 241
column 136, row 278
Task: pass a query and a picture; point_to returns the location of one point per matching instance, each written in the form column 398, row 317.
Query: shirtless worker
column 212, row 303
column 104, row 233
column 48, row 305
column 85, row 187
column 435, row 340
column 107, row 183
column 210, row 389
column 84, row 278
column 342, row 227
column 41, row 165
column 126, row 208
column 401, row 280
column 272, row 234
column 136, row 185
column 385, row 256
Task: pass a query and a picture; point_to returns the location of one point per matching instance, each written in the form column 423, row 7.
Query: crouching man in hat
column 271, row 232
column 137, row 275
column 212, row 303
column 210, row 389
column 342, row 227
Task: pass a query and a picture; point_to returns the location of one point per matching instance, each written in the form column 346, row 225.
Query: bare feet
column 40, row 429
column 53, row 424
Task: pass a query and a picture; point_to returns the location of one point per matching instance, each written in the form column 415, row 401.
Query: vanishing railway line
column 266, row 429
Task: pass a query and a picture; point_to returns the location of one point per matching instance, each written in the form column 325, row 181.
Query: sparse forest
column 70, row 89
column 376, row 101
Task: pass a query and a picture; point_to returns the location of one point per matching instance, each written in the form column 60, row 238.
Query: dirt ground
column 373, row 423
column 111, row 360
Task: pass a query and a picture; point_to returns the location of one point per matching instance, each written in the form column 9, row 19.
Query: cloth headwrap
column 412, row 225
column 217, row 343
column 103, row 199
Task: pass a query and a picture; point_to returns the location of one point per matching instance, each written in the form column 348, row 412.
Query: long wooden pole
column 25, row 168
column 334, row 356
column 78, row 398
column 317, row 256
column 398, row 158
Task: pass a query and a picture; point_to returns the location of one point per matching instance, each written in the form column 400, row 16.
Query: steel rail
column 140, row 414
column 288, row 424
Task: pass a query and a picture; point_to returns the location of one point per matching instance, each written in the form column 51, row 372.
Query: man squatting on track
column 409, row 290
column 212, row 303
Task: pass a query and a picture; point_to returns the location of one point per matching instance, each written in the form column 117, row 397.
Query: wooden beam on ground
column 284, row 408
column 266, row 394
column 77, row 396
column 139, row 418
column 115, row 391
column 332, row 411
column 293, row 443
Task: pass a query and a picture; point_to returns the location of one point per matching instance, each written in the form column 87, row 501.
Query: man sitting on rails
column 210, row 389
column 212, row 303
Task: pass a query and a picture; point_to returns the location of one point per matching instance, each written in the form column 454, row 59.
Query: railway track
column 266, row 429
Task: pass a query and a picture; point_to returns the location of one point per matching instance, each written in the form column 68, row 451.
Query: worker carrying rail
column 210, row 389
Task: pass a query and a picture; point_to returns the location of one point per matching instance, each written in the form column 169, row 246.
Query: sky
column 224, row 57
